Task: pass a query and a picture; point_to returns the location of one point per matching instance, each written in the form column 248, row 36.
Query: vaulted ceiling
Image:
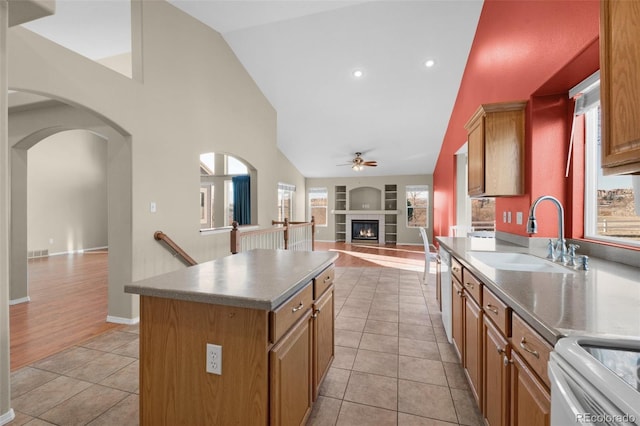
column 303, row 54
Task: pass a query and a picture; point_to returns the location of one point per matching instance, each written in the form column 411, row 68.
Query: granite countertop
column 602, row 301
column 258, row 279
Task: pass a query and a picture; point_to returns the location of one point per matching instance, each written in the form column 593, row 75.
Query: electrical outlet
column 508, row 217
column 214, row 359
column 519, row 218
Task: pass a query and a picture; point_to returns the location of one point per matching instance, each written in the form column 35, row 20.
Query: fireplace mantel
column 365, row 212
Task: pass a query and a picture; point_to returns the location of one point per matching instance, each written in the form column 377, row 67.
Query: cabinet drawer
column 497, row 311
column 531, row 347
column 322, row 282
column 290, row 311
column 456, row 269
column 472, row 286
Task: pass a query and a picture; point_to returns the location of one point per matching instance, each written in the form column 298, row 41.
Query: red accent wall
column 534, row 50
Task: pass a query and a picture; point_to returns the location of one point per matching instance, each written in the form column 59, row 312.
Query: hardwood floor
column 69, row 296
column 68, row 305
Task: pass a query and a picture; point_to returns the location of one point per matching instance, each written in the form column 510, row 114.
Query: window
column 612, row 210
column 417, row 205
column 220, row 176
column 318, row 203
column 483, row 214
column 285, row 201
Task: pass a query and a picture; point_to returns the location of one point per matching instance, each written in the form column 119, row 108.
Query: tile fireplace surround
column 373, row 215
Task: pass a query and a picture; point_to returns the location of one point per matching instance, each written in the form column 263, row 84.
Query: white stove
column 595, row 381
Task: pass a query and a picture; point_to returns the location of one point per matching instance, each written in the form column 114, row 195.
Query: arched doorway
column 27, row 128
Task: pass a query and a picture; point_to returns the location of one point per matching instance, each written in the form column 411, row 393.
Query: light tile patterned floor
column 393, row 365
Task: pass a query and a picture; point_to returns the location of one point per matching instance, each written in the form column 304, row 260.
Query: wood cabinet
column 620, row 86
column 473, row 347
column 530, row 401
column 504, row 359
column 457, row 317
column 291, row 375
column 496, row 150
column 323, row 338
column 495, row 374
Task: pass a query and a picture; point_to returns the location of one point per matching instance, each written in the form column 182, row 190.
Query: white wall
column 67, row 193
column 405, row 235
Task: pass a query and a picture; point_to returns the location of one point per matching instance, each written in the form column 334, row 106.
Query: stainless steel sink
column 517, row 262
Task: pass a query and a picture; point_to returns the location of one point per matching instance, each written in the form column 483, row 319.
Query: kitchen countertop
column 258, row 279
column 605, row 300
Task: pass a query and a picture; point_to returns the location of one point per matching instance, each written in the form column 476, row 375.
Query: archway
column 31, row 127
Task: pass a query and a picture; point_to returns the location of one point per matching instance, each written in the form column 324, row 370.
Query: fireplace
column 364, row 230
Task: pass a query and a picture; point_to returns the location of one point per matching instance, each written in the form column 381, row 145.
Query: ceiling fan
column 359, row 163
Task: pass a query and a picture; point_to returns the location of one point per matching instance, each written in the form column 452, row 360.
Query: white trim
column 18, row 301
column 121, row 320
column 7, row 417
column 79, row 251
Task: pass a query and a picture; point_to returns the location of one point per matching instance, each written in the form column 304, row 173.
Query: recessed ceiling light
column 429, row 63
column 357, row 73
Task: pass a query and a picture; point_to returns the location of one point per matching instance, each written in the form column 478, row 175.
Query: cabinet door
column 475, row 158
column 457, row 318
column 323, row 338
column 530, row 400
column 620, row 85
column 290, row 375
column 495, row 375
column 473, row 347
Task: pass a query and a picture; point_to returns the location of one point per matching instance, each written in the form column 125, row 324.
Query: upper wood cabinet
column 496, row 150
column 620, row 86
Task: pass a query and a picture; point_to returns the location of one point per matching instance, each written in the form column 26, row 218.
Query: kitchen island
column 271, row 313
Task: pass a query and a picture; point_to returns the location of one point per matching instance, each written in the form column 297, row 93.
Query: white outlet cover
column 508, row 217
column 214, row 359
column 518, row 218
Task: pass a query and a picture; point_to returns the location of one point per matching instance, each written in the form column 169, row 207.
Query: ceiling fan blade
column 370, row 163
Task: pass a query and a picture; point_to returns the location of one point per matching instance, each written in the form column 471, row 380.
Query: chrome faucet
column 560, row 251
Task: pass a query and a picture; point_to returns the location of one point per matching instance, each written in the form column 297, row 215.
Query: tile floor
column 393, row 365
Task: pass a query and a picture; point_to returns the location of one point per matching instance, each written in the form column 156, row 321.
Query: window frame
column 324, row 191
column 282, row 189
column 426, row 189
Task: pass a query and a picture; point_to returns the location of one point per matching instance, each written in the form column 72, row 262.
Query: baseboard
column 18, row 301
column 7, row 417
column 121, row 320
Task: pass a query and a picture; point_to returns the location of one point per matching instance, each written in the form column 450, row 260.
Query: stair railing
column 285, row 235
column 175, row 249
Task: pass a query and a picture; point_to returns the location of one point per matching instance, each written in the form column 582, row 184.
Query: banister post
column 286, row 233
column 313, row 233
column 233, row 238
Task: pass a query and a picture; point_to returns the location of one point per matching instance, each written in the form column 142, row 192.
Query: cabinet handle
column 326, row 280
column 492, row 308
column 459, row 293
column 506, row 361
column 455, row 269
column 523, row 345
column 315, row 314
column 470, row 285
column 500, row 350
column 297, row 308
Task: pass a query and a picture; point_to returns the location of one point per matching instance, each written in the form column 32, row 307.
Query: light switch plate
column 518, row 218
column 508, row 217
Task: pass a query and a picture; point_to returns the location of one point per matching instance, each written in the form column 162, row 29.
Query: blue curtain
column 241, row 199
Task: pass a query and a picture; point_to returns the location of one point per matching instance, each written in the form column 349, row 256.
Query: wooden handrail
column 176, row 249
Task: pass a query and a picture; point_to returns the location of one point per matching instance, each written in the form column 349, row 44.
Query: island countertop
column 258, row 279
column 602, row 301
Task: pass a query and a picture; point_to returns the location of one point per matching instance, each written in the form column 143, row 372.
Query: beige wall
column 201, row 100
column 67, row 192
column 405, row 235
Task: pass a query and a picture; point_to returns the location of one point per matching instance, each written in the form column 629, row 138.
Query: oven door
column 576, row 401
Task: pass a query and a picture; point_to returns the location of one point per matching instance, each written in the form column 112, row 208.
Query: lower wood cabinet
column 291, row 375
column 505, row 360
column 530, row 400
column 323, row 338
column 457, row 317
column 495, row 374
column 473, row 347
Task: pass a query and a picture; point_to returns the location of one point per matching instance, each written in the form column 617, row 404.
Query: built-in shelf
column 340, row 205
